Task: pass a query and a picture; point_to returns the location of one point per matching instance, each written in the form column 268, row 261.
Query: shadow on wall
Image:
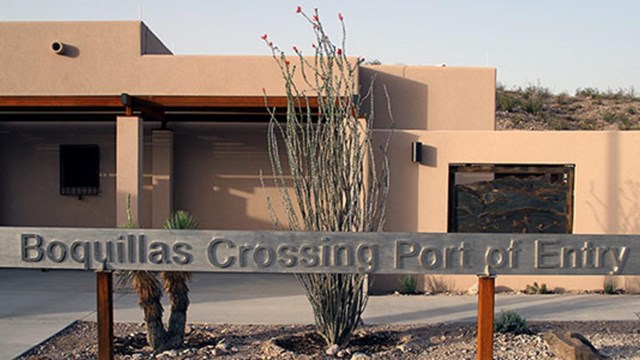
column 216, row 176
column 618, row 210
column 408, row 99
column 626, row 209
column 403, row 213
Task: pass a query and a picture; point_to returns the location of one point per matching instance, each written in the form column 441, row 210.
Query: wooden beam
column 39, row 101
column 139, row 101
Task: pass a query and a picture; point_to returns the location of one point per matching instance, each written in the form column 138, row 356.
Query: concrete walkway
column 35, row 305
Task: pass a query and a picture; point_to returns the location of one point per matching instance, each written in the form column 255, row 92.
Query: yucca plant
column 175, row 282
column 328, row 179
column 149, row 289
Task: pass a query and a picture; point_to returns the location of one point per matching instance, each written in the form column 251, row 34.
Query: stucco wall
column 122, row 56
column 432, row 97
column 29, row 184
column 30, row 67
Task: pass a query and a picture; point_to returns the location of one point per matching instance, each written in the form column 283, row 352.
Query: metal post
column 105, row 315
column 486, row 298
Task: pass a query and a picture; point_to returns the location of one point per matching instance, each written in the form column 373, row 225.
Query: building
column 189, row 132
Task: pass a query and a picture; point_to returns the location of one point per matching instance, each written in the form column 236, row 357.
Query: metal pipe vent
column 58, row 47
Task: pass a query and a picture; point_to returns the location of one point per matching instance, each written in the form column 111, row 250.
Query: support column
column 162, row 179
column 128, row 168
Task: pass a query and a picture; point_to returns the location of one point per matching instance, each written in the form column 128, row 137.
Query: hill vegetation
column 536, row 108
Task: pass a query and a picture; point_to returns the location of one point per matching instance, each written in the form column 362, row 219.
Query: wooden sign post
column 486, row 298
column 105, row 315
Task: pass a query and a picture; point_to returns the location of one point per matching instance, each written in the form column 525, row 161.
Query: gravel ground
column 614, row 339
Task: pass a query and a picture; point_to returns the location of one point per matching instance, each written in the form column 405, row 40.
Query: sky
column 559, row 44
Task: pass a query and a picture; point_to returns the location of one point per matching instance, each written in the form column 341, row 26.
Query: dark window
column 511, row 198
column 79, row 170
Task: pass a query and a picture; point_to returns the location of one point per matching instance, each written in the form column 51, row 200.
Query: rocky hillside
column 535, row 108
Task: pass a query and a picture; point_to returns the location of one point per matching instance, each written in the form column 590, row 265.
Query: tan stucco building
column 189, row 132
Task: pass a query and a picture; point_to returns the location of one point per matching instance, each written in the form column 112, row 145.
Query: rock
column 570, row 346
column 332, row 350
column 435, row 340
column 222, row 345
column 167, row 354
column 473, row 290
column 271, row 349
column 360, row 356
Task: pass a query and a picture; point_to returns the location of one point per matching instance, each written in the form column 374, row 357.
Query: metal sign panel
column 312, row 252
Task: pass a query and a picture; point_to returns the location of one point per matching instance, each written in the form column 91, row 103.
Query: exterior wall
column 106, row 58
column 217, row 175
column 132, row 59
column 607, row 189
column 29, row 184
column 432, row 97
column 94, row 61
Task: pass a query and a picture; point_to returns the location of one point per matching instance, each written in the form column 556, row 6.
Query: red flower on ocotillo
column 340, row 16
column 295, row 49
column 298, row 10
column 264, row 37
column 339, row 51
column 315, row 18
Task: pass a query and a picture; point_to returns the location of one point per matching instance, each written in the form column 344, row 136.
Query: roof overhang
column 150, row 107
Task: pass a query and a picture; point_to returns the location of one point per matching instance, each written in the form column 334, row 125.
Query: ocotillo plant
column 324, row 165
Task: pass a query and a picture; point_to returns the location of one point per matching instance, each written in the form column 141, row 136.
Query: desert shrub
column 564, row 99
column 510, row 322
column 625, row 122
column 408, row 285
column 588, row 92
column 589, row 124
column 622, row 119
column 555, row 122
column 438, row 284
column 507, row 101
column 536, row 289
column 324, row 166
column 609, row 116
column 610, row 285
column 535, row 98
column 620, row 94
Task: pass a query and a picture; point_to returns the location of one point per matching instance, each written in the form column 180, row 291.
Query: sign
column 312, row 252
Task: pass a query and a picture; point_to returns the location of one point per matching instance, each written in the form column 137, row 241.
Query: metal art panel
column 311, row 252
